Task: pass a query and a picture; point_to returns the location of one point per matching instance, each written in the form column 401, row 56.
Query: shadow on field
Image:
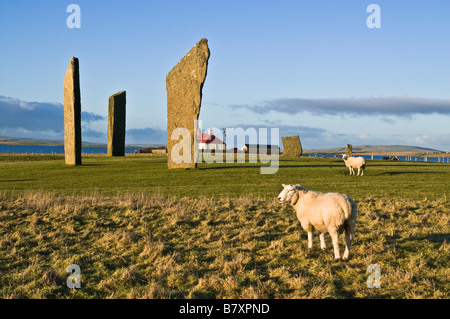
column 434, row 238
column 225, row 167
column 412, row 164
column 265, row 165
column 85, row 165
column 399, row 173
column 17, row 180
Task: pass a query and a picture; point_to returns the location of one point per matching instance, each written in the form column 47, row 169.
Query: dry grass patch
column 138, row 246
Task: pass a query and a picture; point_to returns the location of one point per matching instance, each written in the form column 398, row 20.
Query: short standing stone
column 292, row 147
column 72, row 114
column 184, row 85
column 348, row 150
column 116, row 124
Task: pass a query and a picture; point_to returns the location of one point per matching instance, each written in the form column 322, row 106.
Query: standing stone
column 116, row 124
column 184, row 85
column 72, row 114
column 292, row 147
column 348, row 150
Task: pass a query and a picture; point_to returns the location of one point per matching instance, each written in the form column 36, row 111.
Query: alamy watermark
column 74, row 280
column 74, row 19
column 374, row 280
column 374, row 19
column 258, row 147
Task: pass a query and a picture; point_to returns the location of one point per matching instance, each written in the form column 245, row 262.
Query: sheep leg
column 348, row 243
column 348, row 240
column 335, row 238
column 309, row 239
column 350, row 169
column 323, row 246
column 358, row 172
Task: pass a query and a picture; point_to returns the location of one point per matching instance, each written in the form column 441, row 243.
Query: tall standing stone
column 349, row 150
column 72, row 114
column 184, row 85
column 116, row 124
column 292, row 147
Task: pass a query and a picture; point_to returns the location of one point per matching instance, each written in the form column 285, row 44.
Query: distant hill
column 29, row 141
column 374, row 148
column 33, row 141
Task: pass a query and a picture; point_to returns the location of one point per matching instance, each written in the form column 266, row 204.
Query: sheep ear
column 294, row 199
column 284, row 185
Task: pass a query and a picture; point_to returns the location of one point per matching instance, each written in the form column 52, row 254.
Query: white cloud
column 385, row 106
column 421, row 139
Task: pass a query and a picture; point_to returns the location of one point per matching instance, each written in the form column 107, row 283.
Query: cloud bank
column 398, row 106
column 37, row 116
column 45, row 120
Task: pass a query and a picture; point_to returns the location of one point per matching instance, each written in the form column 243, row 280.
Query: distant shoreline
column 33, row 144
column 413, row 154
column 56, row 144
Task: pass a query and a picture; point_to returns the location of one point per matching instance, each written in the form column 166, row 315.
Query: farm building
column 209, row 141
column 254, row 148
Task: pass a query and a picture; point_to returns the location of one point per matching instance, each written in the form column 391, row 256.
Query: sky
column 309, row 68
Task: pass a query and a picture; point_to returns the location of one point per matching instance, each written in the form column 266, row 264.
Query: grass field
column 138, row 230
column 149, row 175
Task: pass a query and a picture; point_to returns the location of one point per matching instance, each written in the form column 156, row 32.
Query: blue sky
column 311, row 68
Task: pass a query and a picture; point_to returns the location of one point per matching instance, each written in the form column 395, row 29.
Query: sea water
column 45, row 149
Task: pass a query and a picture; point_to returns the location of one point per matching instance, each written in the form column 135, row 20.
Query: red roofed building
column 210, row 142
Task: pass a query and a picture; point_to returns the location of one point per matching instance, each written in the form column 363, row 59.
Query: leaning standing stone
column 184, row 85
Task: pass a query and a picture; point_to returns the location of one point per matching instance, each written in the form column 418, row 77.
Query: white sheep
column 354, row 162
column 326, row 212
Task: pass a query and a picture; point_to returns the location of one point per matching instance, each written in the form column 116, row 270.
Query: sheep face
column 288, row 191
column 344, row 157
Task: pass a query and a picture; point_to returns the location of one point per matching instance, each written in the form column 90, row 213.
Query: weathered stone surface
column 292, row 147
column 184, row 85
column 159, row 152
column 348, row 150
column 116, row 124
column 72, row 114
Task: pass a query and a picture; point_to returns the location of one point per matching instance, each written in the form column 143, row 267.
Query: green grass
column 138, row 230
column 145, row 174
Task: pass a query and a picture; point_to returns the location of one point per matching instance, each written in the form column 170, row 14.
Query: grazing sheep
column 354, row 162
column 326, row 212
